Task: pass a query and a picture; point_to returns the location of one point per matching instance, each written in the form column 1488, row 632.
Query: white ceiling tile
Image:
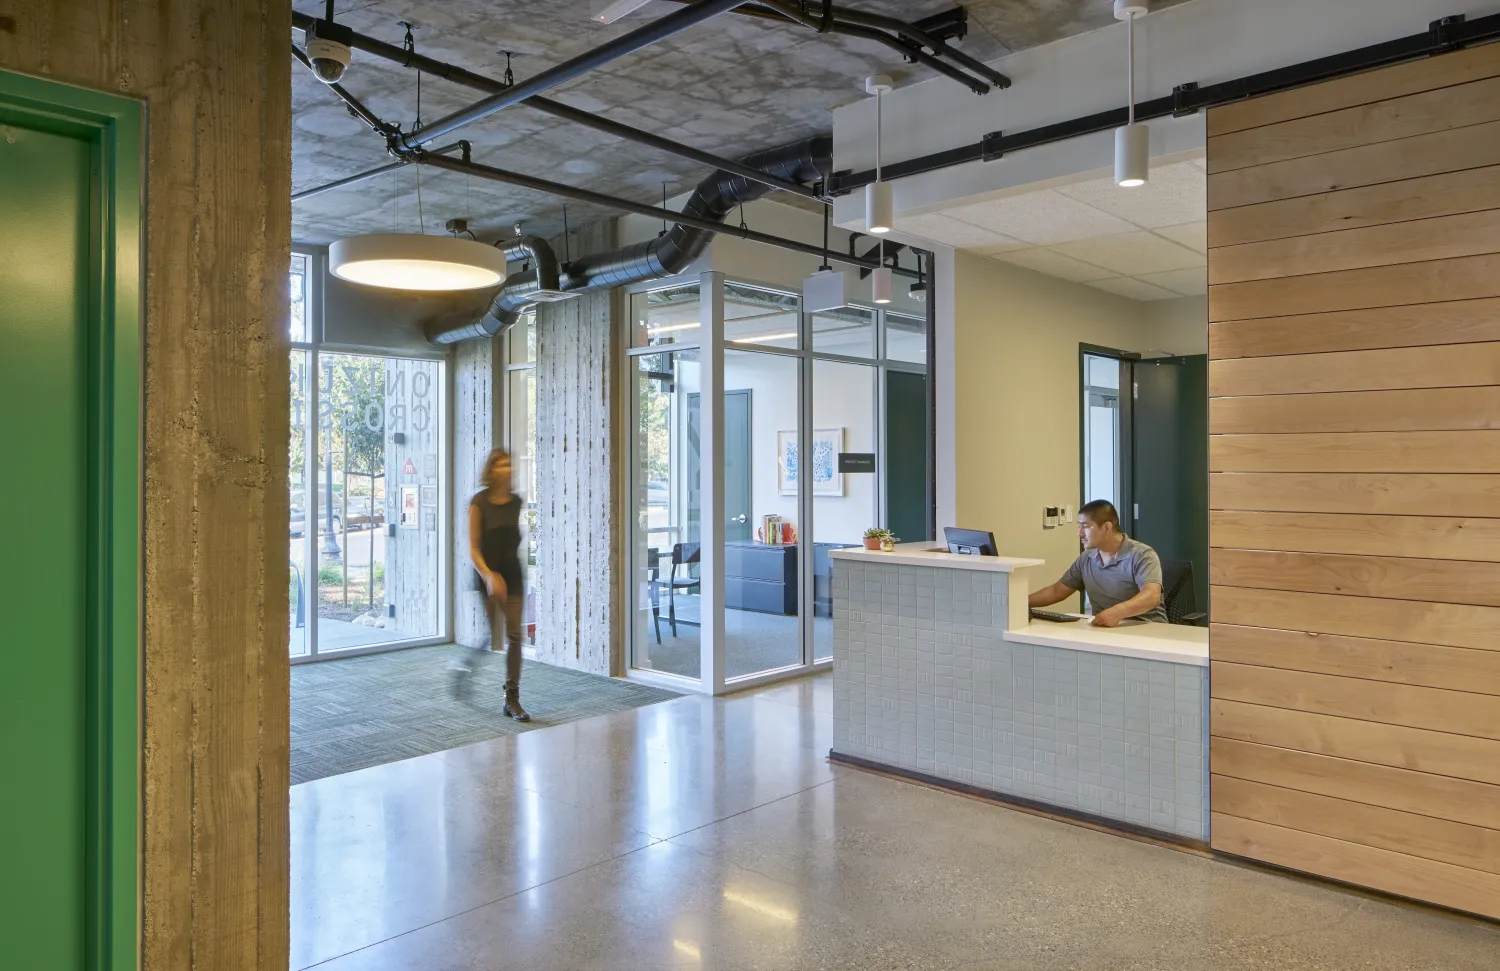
column 954, row 232
column 1189, row 283
column 1193, row 235
column 1054, row 264
column 1134, row 289
column 1133, row 254
column 1041, row 218
column 1001, row 248
column 1173, row 195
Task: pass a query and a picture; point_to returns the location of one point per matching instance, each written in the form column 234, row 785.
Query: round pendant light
column 412, row 261
column 880, row 284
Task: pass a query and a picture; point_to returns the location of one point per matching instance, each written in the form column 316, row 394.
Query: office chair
column 682, row 555
column 1177, row 593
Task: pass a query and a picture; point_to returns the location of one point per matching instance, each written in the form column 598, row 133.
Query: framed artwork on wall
column 826, row 478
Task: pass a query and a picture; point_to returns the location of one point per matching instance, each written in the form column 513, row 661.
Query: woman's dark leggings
column 505, row 620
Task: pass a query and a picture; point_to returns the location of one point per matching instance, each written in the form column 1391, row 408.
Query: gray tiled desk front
column 924, row 682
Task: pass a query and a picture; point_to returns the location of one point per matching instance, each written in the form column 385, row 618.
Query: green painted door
column 906, row 496
column 68, row 741
column 44, row 260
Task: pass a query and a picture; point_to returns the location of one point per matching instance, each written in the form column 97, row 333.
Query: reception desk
column 940, row 674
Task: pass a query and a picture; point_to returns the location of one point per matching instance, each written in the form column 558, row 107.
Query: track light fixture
column 879, row 208
column 1132, row 142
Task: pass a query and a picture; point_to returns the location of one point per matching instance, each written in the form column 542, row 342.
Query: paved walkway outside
column 713, row 833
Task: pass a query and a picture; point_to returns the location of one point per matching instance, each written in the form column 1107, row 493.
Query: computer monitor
column 972, row 542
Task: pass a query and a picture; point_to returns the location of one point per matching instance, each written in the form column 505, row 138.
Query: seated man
column 1121, row 576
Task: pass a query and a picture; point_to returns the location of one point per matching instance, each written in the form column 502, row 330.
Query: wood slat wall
column 1354, row 382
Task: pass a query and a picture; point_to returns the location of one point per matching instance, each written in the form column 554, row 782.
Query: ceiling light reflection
column 761, row 906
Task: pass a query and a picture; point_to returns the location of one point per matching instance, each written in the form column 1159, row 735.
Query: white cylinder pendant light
column 412, row 261
column 880, row 284
column 1132, row 155
column 1132, row 142
column 879, row 208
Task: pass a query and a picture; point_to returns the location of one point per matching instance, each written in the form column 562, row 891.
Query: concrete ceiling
column 732, row 86
column 1145, row 243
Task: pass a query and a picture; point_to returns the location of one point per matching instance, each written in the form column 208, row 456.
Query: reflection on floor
column 713, row 833
column 356, row 712
column 753, row 641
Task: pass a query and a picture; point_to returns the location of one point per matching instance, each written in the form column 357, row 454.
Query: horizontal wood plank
column 1434, row 709
column 1408, row 158
column 1458, row 67
column 1442, row 797
column 1457, row 322
column 1389, row 829
column 1433, row 196
column 1462, row 888
column 1421, row 240
column 1469, row 452
column 1440, row 753
column 1421, row 537
column 1388, row 369
column 1465, row 278
column 1447, row 625
column 1414, row 114
column 1386, row 577
column 1427, row 409
column 1371, row 493
column 1429, row 665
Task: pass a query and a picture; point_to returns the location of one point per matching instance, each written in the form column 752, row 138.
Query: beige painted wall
column 1176, row 326
column 1016, row 335
column 216, row 76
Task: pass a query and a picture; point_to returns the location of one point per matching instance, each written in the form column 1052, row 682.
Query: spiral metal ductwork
column 805, row 162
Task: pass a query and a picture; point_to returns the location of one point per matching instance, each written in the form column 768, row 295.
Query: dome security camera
column 328, row 49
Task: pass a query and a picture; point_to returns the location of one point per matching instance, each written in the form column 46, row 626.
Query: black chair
column 1177, row 594
column 683, row 554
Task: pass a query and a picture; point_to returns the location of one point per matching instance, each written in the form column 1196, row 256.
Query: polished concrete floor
column 704, row 833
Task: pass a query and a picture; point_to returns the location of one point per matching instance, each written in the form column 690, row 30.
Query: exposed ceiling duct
column 804, row 162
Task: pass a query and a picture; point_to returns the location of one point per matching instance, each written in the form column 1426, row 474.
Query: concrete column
column 578, row 526
column 476, row 430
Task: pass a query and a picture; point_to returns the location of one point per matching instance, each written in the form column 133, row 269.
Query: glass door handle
column 739, row 519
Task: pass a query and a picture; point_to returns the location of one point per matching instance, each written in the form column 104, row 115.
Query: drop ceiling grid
column 1145, row 244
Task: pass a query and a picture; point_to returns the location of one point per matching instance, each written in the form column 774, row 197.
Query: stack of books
column 774, row 531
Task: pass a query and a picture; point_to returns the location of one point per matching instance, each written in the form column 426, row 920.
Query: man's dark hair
column 1101, row 511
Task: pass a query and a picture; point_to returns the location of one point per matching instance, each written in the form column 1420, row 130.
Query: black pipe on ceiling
column 668, row 254
column 686, row 218
column 906, row 39
column 479, row 82
column 379, row 170
column 1447, row 34
column 658, row 30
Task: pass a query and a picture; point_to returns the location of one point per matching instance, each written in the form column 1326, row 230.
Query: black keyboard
column 1053, row 616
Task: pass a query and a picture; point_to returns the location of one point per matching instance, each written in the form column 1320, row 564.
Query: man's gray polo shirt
column 1134, row 566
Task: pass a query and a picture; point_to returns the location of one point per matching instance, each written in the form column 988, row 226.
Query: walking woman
column 494, row 546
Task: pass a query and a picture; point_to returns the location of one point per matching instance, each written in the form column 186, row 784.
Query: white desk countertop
column 924, row 554
column 1177, row 643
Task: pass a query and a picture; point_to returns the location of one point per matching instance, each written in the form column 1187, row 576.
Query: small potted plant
column 888, row 542
column 877, row 539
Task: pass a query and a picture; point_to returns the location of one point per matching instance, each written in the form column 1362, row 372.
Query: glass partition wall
column 761, row 442
column 367, row 537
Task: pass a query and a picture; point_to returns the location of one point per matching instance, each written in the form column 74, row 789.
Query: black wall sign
column 856, row 461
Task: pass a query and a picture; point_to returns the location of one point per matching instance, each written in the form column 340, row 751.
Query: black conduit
column 716, row 196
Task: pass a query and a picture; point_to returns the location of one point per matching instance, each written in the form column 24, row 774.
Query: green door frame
column 113, row 125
